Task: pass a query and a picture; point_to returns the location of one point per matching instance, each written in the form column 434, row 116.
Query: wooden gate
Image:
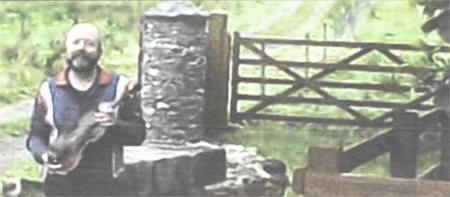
column 254, row 54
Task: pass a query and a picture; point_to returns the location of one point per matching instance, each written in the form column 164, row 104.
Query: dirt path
column 13, row 149
column 10, row 112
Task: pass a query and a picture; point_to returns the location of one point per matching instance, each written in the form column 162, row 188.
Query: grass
column 289, row 143
column 16, row 127
column 25, row 168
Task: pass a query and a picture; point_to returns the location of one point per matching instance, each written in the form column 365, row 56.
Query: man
column 60, row 103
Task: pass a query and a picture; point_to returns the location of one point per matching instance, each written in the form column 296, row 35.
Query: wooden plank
column 234, row 77
column 324, row 184
column 364, row 151
column 298, row 180
column 340, row 63
column 336, row 101
column 263, row 55
column 432, row 116
column 296, row 86
column 227, row 69
column 270, row 100
column 323, row 159
column 348, row 67
column 321, row 101
column 445, row 147
column 293, row 41
column 360, row 86
column 309, row 84
column 326, row 121
column 217, row 77
column 403, row 158
column 432, row 173
column 407, row 105
column 390, row 55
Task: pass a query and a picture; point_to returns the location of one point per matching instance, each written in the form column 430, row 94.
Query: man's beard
column 82, row 63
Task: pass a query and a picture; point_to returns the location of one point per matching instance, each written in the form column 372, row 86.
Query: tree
column 440, row 22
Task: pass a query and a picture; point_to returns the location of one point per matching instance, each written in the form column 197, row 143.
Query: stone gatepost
column 173, row 63
column 173, row 72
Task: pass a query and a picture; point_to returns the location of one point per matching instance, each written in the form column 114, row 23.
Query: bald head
column 83, row 47
column 83, row 30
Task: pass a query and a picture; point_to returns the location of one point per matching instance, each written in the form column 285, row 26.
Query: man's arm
column 38, row 137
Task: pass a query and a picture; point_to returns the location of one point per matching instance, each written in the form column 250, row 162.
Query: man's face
column 82, row 48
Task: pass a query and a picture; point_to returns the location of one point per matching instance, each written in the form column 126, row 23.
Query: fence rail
column 375, row 45
column 320, row 84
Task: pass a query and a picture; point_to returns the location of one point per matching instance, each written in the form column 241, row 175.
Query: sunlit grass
column 25, row 168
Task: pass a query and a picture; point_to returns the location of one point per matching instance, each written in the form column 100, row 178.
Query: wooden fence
column 323, row 174
column 317, row 82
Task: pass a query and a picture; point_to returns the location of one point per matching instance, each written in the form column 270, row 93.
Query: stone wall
column 173, row 62
column 249, row 174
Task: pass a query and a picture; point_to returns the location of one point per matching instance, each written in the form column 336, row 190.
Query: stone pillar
column 173, row 62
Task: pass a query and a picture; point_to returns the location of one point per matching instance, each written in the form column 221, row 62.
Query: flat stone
column 173, row 9
column 161, row 168
column 153, row 72
column 162, row 105
column 149, row 111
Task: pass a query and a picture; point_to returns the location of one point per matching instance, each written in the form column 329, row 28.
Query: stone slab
column 172, row 169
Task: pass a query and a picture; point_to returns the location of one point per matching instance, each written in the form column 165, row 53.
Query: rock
column 161, row 168
column 23, row 187
column 162, row 105
column 249, row 174
column 152, row 72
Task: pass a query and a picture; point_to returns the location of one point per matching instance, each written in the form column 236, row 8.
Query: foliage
column 35, row 32
column 431, row 6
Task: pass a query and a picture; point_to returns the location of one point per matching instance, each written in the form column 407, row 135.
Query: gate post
column 217, row 75
column 445, row 147
column 173, row 63
column 403, row 156
column 234, row 77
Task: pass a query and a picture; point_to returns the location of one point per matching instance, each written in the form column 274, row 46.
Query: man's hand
column 106, row 114
column 51, row 167
column 105, row 119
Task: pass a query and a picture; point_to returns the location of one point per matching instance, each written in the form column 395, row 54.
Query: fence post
column 403, row 156
column 445, row 147
column 216, row 101
column 234, row 77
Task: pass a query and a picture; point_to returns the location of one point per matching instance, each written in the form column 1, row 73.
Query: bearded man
column 62, row 101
